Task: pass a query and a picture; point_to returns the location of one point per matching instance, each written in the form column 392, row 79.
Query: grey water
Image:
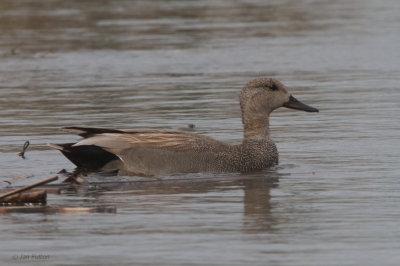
column 333, row 200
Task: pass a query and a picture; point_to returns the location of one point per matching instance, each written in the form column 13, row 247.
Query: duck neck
column 256, row 127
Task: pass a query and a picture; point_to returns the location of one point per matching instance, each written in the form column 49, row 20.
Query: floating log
column 50, row 210
column 34, row 197
column 50, row 179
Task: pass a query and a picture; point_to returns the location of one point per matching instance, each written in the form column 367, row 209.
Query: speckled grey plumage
column 156, row 152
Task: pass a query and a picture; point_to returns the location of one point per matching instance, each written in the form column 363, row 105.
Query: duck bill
column 293, row 103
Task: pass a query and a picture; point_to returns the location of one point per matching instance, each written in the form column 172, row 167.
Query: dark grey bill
column 296, row 104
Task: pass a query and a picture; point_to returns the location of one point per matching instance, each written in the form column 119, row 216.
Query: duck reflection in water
column 189, row 190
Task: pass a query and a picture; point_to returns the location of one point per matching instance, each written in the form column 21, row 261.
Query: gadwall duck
column 156, row 152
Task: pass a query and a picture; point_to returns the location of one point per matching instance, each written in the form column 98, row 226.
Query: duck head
column 262, row 96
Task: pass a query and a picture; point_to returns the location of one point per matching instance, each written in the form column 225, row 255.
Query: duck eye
column 274, row 87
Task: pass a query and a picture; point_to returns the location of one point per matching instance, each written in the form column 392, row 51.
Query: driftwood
column 50, row 179
column 48, row 209
column 34, row 197
column 49, row 190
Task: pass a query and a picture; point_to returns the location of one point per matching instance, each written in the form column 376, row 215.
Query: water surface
column 334, row 198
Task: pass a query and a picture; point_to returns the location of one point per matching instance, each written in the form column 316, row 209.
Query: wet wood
column 50, row 179
column 49, row 190
column 34, row 197
column 48, row 209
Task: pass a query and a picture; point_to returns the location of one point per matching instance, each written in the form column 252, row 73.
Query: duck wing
column 116, row 141
column 146, row 152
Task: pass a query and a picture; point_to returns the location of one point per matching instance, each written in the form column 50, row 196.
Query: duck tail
column 85, row 156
